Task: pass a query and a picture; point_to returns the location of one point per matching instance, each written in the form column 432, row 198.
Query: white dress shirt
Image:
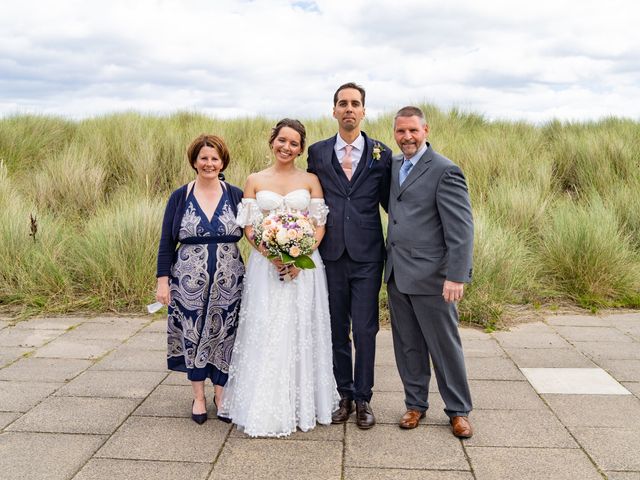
column 356, row 153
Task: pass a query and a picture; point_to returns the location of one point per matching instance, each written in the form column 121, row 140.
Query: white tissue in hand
column 154, row 307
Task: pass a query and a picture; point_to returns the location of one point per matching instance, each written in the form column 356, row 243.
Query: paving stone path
column 91, row 399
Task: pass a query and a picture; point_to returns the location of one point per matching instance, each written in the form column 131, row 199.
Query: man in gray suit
column 429, row 255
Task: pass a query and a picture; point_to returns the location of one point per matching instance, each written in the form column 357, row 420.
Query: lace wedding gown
column 281, row 373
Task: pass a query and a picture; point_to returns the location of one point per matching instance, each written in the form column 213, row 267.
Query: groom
column 354, row 171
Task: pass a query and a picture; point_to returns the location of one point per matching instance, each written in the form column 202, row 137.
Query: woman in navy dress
column 200, row 272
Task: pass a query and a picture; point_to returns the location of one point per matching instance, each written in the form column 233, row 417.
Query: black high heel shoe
column 199, row 418
column 222, row 419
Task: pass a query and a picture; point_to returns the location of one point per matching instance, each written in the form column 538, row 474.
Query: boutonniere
column 376, row 153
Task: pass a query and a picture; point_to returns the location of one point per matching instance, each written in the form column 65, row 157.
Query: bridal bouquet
column 288, row 236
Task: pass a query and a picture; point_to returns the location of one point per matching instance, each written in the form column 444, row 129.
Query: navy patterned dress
column 206, row 286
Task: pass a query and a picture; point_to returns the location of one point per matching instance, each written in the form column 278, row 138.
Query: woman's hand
column 163, row 295
column 293, row 271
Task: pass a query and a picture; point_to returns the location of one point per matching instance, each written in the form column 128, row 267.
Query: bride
column 281, row 374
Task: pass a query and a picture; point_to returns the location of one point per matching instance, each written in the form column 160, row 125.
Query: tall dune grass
column 557, row 206
column 587, row 255
column 113, row 259
column 505, row 272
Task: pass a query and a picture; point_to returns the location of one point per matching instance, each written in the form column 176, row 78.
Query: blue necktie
column 404, row 171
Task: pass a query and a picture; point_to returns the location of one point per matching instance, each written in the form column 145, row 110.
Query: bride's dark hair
column 291, row 123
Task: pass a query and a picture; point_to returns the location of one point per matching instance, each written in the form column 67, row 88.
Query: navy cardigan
column 176, row 206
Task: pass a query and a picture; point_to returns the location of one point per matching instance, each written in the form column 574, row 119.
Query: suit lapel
column 363, row 165
column 396, row 163
column 417, row 171
column 327, row 164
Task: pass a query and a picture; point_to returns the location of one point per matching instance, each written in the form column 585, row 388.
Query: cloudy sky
column 513, row 59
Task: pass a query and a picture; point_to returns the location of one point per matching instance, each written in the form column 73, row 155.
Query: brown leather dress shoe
column 364, row 415
column 461, row 427
column 411, row 419
column 345, row 407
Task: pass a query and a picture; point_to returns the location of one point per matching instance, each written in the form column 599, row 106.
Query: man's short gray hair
column 410, row 111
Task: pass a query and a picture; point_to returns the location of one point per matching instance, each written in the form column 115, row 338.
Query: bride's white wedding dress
column 281, row 373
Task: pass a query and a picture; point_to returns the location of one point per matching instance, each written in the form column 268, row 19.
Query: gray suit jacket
column 430, row 234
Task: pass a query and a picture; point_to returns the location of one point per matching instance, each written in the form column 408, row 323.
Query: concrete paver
column 547, row 357
column 599, row 351
column 111, row 469
column 112, row 383
column 593, row 334
column 531, row 340
column 596, row 410
column 389, row 408
column 47, row 370
column 53, row 323
column 54, row 456
column 515, row 428
column 7, row 417
column 387, row 379
column 65, row 347
column 482, row 348
column 22, row 396
column 11, row 354
column 76, row 415
column 623, row 319
column 16, row 337
column 169, row 401
column 622, row 370
column 148, row 341
column 106, row 330
column 333, row 433
column 132, row 359
column 353, row 473
column 491, row 463
column 633, row 387
column 611, row 448
column 623, row 475
column 426, row 447
column 492, row 368
column 176, row 378
column 286, row 460
column 578, row 320
column 573, row 381
column 166, row 439
column 157, row 325
column 504, row 395
column 129, row 417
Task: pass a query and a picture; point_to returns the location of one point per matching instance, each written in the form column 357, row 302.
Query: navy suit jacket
column 353, row 223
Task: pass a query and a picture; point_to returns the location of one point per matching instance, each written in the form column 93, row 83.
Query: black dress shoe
column 345, row 407
column 364, row 415
column 199, row 418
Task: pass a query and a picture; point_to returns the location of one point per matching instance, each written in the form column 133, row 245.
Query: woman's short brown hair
column 212, row 141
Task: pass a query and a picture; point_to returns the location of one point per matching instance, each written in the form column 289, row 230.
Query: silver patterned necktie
column 404, row 171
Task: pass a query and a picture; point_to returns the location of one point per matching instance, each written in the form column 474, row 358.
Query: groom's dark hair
column 348, row 85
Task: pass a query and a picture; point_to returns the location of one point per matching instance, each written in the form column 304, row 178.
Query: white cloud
column 569, row 59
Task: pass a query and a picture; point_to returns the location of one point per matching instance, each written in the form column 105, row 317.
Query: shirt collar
column 417, row 156
column 358, row 143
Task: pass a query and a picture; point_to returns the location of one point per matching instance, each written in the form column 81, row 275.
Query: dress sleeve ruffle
column 318, row 211
column 248, row 212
